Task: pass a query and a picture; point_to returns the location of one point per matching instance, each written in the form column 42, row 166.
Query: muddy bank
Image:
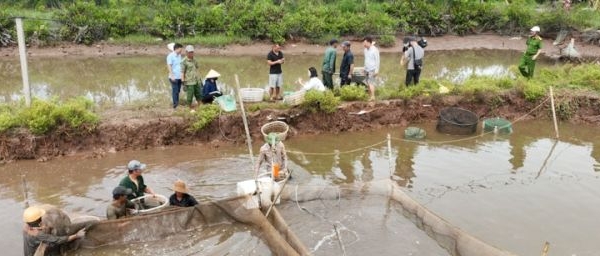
column 130, row 132
column 448, row 42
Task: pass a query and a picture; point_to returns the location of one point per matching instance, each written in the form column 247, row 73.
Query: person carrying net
column 273, row 155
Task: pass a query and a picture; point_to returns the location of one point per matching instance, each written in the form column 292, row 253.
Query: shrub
column 387, row 41
column 8, row 118
column 39, row 118
column 77, row 113
column 316, row 101
column 353, row 93
column 204, row 116
column 533, row 90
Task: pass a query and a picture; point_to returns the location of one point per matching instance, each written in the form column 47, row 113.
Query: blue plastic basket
column 227, row 103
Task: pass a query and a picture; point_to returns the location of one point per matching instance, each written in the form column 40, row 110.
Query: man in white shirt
column 371, row 65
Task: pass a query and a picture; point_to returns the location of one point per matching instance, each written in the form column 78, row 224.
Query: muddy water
column 122, row 80
column 515, row 192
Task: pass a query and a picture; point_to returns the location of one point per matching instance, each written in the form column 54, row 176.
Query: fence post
column 23, row 57
column 389, row 143
column 553, row 112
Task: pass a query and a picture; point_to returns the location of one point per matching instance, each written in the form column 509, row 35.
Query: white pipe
column 389, row 144
column 23, row 57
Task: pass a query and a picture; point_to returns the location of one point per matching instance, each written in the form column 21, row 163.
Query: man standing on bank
column 347, row 65
column 189, row 77
column 413, row 56
column 371, row 65
column 274, row 60
column 534, row 48
column 329, row 64
column 174, row 67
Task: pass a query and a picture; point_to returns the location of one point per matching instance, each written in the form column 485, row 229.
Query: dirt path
column 435, row 44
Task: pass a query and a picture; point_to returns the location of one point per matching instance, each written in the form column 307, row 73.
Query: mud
column 129, row 130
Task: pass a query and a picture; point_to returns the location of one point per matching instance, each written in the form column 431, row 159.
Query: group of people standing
column 183, row 74
column 412, row 57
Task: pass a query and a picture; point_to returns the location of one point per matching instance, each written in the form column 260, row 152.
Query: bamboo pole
column 553, row 112
column 23, row 58
column 244, row 118
column 389, row 144
column 25, row 194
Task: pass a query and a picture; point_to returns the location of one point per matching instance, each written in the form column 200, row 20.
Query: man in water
column 181, row 197
column 534, row 48
column 273, row 154
column 41, row 239
column 135, row 181
column 120, row 206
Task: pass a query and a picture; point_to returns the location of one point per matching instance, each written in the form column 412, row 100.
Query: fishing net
column 497, row 125
column 457, row 121
column 452, row 239
column 414, row 133
column 160, row 225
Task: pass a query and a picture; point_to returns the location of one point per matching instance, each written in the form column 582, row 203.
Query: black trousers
column 344, row 80
column 412, row 75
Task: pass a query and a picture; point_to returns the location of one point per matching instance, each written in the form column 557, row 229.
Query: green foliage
column 7, row 118
column 411, row 91
column 353, row 93
column 316, row 101
column 534, row 90
column 46, row 115
column 387, row 41
column 257, row 106
column 204, row 116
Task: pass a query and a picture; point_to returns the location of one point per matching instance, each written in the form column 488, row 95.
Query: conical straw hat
column 171, row 46
column 212, row 74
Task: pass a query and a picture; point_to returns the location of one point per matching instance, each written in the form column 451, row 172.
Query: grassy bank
column 216, row 23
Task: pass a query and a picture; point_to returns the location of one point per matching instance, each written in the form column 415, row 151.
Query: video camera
column 422, row 42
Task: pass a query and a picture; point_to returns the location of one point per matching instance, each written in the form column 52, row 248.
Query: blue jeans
column 175, row 89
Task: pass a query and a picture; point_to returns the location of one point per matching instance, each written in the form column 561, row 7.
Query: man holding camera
column 413, row 55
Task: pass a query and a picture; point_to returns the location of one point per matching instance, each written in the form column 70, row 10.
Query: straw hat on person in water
column 171, row 46
column 180, row 187
column 212, row 74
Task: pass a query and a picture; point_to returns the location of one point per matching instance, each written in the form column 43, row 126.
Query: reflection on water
column 515, row 192
column 120, row 80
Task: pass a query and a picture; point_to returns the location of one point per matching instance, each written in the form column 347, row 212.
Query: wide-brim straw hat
column 180, row 187
column 213, row 74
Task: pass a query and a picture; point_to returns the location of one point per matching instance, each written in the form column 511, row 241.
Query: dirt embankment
column 125, row 131
column 142, row 133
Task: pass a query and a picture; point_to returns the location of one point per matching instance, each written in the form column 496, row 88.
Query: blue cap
column 135, row 165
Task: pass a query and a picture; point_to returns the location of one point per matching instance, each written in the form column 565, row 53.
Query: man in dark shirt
column 181, row 197
column 39, row 238
column 347, row 64
column 274, row 60
column 120, row 207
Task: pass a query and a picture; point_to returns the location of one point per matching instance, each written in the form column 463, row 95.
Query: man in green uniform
column 534, row 48
column 189, row 77
column 135, row 181
column 329, row 64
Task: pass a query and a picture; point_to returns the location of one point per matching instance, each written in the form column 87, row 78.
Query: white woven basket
column 295, row 98
column 278, row 127
column 252, row 94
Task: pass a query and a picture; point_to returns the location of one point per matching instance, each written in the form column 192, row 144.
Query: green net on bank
column 414, row 133
column 497, row 125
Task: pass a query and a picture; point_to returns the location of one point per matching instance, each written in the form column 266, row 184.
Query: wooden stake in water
column 23, row 57
column 545, row 250
column 553, row 112
column 389, row 143
column 248, row 138
column 25, row 197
